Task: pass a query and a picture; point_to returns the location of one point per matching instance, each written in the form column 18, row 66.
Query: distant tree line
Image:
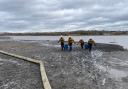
column 76, row 33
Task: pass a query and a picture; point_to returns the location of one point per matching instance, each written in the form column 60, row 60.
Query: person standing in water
column 70, row 42
column 61, row 41
column 81, row 41
column 91, row 42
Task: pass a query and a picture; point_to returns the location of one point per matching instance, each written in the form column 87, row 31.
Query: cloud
column 61, row 15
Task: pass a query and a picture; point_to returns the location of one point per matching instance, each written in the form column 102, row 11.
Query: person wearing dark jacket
column 70, row 42
column 81, row 41
column 91, row 42
column 61, row 41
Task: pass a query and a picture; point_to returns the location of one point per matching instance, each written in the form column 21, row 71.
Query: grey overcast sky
column 63, row 15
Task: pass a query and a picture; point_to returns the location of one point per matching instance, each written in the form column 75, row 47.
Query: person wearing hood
column 91, row 42
column 61, row 41
column 81, row 41
column 70, row 42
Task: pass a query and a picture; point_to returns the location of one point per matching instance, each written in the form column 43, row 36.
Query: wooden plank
column 44, row 76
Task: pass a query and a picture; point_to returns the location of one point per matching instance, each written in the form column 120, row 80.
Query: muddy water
column 114, row 68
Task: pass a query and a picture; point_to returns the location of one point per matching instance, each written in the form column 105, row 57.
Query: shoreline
column 119, row 40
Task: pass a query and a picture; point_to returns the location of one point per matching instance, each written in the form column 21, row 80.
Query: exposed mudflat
column 19, row 74
column 104, row 68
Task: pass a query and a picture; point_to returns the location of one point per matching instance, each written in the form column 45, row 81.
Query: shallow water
column 121, row 40
column 113, row 73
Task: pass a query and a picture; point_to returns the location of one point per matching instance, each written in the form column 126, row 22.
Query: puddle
column 117, row 61
column 113, row 73
column 117, row 74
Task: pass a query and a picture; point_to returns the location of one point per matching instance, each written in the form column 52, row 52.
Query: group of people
column 70, row 41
